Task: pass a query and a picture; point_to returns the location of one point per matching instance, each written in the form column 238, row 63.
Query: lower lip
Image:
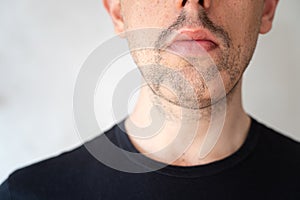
column 192, row 47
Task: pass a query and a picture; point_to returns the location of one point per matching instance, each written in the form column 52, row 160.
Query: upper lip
column 188, row 34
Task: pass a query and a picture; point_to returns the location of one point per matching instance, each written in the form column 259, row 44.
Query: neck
column 186, row 137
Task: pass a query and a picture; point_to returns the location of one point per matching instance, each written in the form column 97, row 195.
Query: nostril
column 201, row 2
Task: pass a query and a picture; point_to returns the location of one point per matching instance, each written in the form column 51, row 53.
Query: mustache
column 203, row 21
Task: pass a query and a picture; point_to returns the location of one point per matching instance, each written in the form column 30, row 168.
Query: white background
column 44, row 43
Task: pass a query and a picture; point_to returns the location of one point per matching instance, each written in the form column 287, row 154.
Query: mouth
column 192, row 42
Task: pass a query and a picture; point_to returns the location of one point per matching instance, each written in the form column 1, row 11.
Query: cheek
column 148, row 13
column 242, row 20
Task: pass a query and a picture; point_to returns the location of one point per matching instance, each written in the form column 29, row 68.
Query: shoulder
column 276, row 141
column 277, row 151
column 35, row 179
column 4, row 191
column 59, row 175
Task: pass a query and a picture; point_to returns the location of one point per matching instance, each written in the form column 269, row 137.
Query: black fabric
column 267, row 166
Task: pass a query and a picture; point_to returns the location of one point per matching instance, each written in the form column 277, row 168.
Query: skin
column 236, row 25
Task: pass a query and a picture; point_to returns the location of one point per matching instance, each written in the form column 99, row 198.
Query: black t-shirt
column 266, row 166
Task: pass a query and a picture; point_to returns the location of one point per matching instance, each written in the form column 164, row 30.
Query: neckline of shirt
column 214, row 167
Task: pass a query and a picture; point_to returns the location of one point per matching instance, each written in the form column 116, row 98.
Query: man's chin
column 186, row 102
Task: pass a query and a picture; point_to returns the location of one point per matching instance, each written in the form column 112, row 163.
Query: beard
column 193, row 82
